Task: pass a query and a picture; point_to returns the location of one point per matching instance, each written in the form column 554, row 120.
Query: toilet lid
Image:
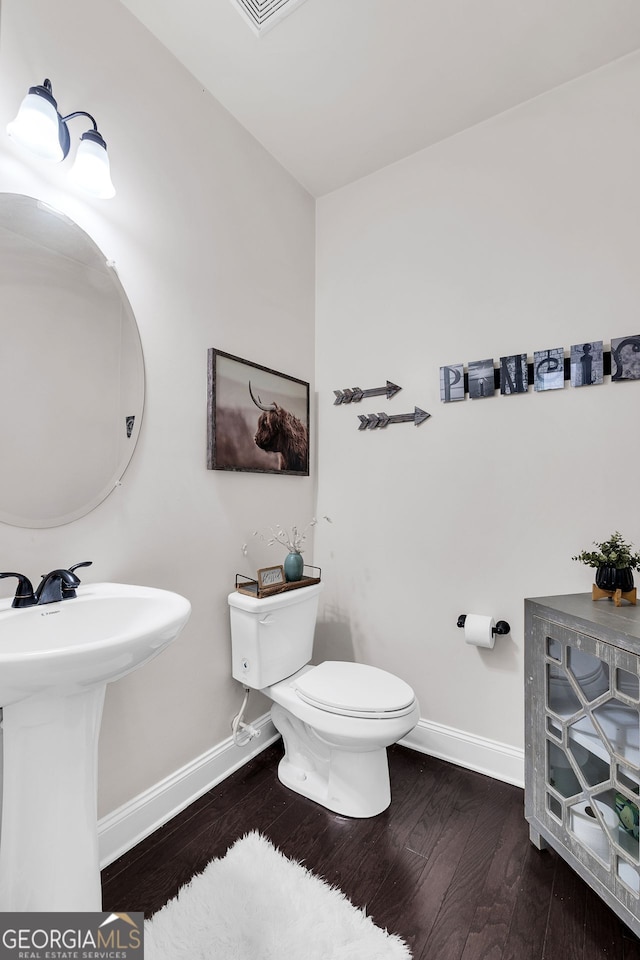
column 355, row 690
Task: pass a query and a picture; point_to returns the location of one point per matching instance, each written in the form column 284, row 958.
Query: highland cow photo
column 257, row 418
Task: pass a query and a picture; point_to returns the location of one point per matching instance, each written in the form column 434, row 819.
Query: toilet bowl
column 336, row 719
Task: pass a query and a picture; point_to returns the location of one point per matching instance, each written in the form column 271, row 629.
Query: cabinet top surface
column 604, row 614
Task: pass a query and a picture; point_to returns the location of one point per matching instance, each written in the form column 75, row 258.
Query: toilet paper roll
column 478, row 630
column 561, row 772
column 587, row 829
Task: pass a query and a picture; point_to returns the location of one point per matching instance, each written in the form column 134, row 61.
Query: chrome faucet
column 54, row 586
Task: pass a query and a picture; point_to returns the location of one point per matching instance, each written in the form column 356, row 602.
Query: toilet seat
column 355, row 690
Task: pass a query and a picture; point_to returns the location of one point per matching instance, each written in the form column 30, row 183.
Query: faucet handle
column 24, row 591
column 69, row 585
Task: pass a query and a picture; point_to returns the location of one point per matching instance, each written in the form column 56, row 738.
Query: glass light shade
column 91, row 170
column 37, row 128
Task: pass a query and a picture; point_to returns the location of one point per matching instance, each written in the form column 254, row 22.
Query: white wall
column 518, row 235
column 214, row 244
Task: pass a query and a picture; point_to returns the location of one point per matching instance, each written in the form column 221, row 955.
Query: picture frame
column 514, row 374
column 452, row 383
column 257, row 418
column 625, row 358
column 481, row 379
column 271, row 577
column 548, row 369
column 587, row 363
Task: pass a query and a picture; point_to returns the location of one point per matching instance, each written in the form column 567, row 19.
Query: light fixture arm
column 80, row 113
column 93, row 135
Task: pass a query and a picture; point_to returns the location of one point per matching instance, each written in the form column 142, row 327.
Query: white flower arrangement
column 292, row 539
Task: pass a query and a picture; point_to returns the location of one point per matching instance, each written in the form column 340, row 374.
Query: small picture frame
column 271, row 577
column 625, row 358
column 587, row 363
column 452, row 382
column 481, row 379
column 548, row 369
column 514, row 374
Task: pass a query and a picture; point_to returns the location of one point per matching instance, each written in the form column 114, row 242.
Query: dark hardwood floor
column 448, row 866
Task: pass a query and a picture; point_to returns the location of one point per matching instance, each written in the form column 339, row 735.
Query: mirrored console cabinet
column 582, row 762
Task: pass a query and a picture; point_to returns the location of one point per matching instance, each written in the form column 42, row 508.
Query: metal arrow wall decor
column 371, row 421
column 355, row 394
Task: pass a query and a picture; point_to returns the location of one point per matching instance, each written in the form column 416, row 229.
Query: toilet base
column 352, row 783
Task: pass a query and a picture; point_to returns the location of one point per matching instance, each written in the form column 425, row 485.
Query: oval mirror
column 71, row 368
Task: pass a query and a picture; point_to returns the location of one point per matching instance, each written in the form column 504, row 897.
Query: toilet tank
column 272, row 638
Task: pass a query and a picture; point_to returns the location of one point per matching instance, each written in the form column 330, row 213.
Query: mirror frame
column 114, row 479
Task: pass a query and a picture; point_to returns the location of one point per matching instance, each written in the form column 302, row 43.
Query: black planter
column 609, row 578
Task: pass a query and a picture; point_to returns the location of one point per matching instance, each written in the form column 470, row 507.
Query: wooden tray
column 251, row 588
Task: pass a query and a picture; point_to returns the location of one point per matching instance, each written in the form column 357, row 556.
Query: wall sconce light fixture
column 39, row 128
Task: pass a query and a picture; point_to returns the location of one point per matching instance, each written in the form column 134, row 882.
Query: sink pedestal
column 49, row 857
column 55, row 662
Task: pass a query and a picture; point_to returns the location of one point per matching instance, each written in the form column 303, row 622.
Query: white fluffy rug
column 255, row 904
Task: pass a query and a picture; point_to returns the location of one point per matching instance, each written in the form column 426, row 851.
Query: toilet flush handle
column 268, row 620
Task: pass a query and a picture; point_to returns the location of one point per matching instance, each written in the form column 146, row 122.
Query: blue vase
column 293, row 567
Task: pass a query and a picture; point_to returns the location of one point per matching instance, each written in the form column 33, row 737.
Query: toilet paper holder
column 502, row 628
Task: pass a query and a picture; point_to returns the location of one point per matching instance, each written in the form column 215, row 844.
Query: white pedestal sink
column 55, row 662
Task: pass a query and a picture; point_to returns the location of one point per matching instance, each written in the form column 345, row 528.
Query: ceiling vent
column 261, row 15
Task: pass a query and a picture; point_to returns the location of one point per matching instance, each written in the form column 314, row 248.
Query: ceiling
column 340, row 88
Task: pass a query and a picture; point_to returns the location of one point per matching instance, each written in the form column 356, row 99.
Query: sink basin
column 55, row 662
column 108, row 630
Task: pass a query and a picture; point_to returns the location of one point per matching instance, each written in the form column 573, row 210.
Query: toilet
column 336, row 719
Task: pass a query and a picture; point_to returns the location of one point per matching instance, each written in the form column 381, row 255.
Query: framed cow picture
column 257, row 418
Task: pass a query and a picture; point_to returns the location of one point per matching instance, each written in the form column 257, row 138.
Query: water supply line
column 237, row 724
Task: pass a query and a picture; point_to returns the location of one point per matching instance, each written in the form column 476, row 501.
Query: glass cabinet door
column 589, row 771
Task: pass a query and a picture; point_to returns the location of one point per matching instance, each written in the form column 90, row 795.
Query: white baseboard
column 498, row 760
column 122, row 829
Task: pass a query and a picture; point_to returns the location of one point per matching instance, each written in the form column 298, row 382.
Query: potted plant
column 614, row 561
